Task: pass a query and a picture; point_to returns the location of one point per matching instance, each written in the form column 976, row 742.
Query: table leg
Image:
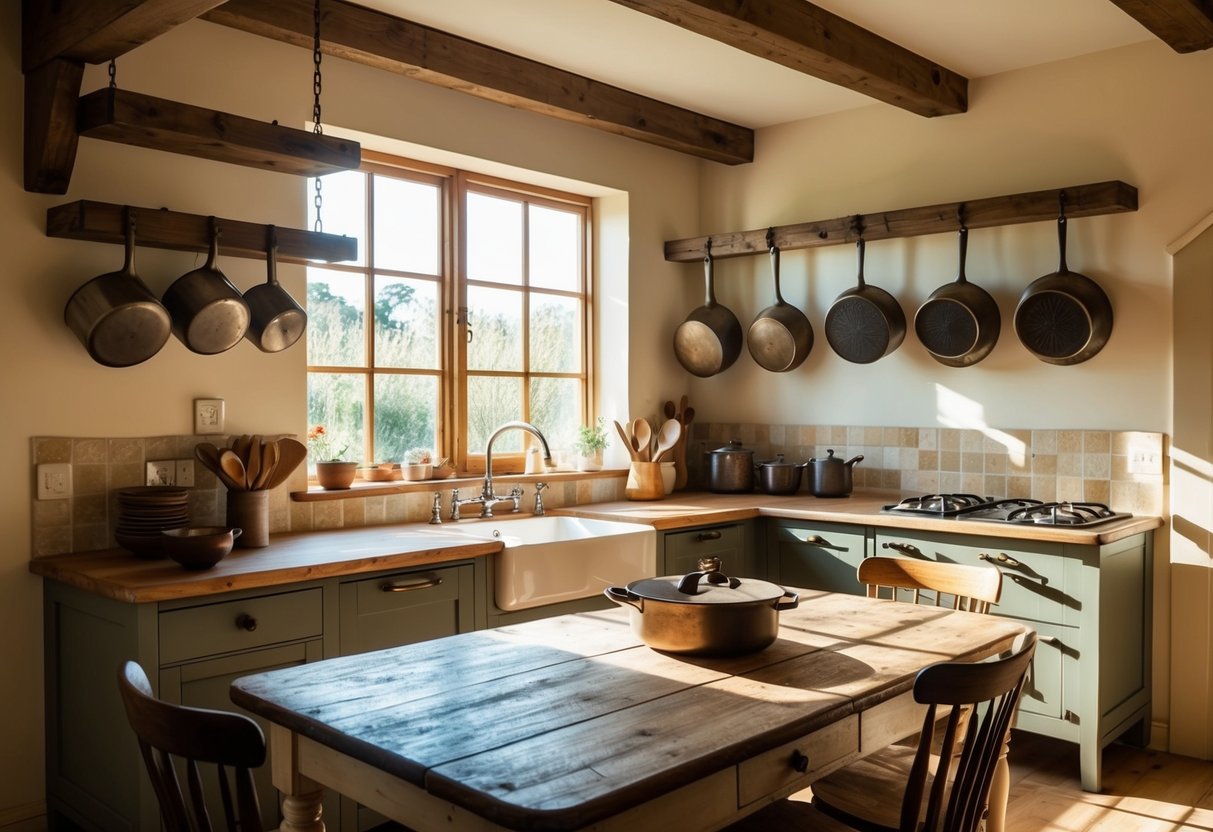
column 301, row 796
column 301, row 812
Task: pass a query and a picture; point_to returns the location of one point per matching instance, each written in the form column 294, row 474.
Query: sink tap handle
column 436, row 511
column 455, row 504
column 539, row 510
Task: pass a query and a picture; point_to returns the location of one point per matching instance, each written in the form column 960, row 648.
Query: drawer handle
column 246, row 622
column 708, row 536
column 904, row 548
column 409, row 586
column 1002, row 557
column 1006, row 560
column 800, row 761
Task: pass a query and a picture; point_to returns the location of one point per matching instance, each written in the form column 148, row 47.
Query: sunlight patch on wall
column 956, row 411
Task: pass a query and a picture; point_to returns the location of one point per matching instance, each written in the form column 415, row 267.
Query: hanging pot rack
column 102, row 222
column 1090, row 200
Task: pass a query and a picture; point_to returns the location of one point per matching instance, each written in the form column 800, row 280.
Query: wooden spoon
column 208, row 455
column 669, row 410
column 240, row 445
column 233, row 468
column 627, row 441
column 269, row 459
column 667, row 437
column 643, row 432
column 291, row 452
column 252, row 461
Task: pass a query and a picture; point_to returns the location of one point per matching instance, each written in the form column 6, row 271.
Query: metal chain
column 318, row 199
column 113, row 74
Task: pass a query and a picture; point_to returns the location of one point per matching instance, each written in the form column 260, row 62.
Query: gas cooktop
column 1012, row 510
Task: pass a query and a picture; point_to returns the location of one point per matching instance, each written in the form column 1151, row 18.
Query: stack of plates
column 145, row 512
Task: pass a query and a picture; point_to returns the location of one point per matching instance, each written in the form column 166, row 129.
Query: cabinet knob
column 246, row 622
column 800, row 761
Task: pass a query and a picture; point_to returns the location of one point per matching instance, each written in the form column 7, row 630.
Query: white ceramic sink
column 552, row 559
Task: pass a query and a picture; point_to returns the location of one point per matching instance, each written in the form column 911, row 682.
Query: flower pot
column 413, row 472
column 335, row 475
column 592, row 462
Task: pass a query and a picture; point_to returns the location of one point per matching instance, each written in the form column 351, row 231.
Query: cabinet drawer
column 229, row 626
column 826, row 749
column 405, row 607
column 816, row 555
column 684, row 549
column 1038, row 582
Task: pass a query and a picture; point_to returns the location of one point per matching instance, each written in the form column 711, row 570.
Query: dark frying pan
column 709, row 340
column 865, row 323
column 1063, row 317
column 276, row 320
column 959, row 323
column 781, row 336
column 209, row 313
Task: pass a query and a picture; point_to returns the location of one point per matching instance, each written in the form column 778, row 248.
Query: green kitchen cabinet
column 679, row 551
column 192, row 648
column 816, row 555
column 1091, row 606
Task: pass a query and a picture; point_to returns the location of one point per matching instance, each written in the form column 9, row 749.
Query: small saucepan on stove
column 778, row 476
column 705, row 613
column 1063, row 317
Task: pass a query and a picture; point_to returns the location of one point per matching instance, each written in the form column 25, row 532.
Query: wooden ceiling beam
column 93, row 31
column 369, row 37
column 809, row 39
column 1184, row 25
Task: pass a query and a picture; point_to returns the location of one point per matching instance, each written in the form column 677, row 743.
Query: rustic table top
column 559, row 723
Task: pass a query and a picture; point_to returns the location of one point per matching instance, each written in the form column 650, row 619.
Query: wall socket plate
column 54, row 480
column 162, row 472
column 208, row 416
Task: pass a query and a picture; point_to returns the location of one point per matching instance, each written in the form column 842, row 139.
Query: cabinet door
column 683, row 549
column 821, row 556
column 405, row 607
column 207, row 684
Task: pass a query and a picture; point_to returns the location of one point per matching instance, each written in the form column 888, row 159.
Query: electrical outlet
column 208, row 416
column 1144, row 462
column 163, row 472
column 185, row 473
column 54, row 480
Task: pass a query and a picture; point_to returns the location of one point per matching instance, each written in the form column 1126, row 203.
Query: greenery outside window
column 468, row 307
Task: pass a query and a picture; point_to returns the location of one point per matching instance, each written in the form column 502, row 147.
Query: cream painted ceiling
column 608, row 42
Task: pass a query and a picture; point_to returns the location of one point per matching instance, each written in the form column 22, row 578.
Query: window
column 478, row 294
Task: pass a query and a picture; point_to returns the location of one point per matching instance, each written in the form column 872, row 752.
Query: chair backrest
column 194, row 735
column 960, row 788
column 952, row 585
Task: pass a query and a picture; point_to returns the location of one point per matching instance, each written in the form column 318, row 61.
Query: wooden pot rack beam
column 1081, row 201
column 101, row 222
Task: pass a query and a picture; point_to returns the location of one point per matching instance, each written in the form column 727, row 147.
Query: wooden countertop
column 290, row 558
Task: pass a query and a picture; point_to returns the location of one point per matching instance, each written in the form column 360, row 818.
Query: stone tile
column 890, row 437
column 1019, row 486
column 52, row 512
column 90, row 537
column 889, row 458
column 90, row 452
column 1044, row 465
column 89, row 479
column 417, row 506
column 1044, row 441
column 994, row 486
column 1069, row 489
column 928, row 439
column 927, row 482
column 160, row 447
column 949, row 482
column 890, row 480
column 996, row 464
column 394, row 508
column 1097, row 466
column 1044, row 488
column 127, row 475
column 972, row 463
column 373, row 508
column 908, row 458
column 972, row 483
column 1096, row 491
column 949, row 461
column 837, row 435
column 806, row 435
column 928, row 460
column 206, row 509
column 52, row 449
column 353, row 512
column 52, row 540
column 301, row 516
column 326, row 514
column 972, row 441
column 1069, row 465
column 89, row 508
column 777, row 435
column 585, row 492
column 949, row 439
column 1096, row 442
column 125, row 450
column 909, row 437
column 1069, row 441
column 854, row 436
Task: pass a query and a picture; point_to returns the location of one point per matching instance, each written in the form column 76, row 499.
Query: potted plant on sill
column 591, row 441
column 332, row 472
column 418, row 464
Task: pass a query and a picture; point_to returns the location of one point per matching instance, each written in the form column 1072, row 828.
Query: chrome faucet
column 487, row 496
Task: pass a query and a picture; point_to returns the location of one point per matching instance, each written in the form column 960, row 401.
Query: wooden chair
column 952, row 798
column 952, row 585
column 194, row 735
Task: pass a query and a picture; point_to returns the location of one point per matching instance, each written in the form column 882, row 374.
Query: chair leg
column 1000, row 790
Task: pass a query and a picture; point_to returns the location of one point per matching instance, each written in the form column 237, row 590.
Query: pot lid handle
column 708, row 568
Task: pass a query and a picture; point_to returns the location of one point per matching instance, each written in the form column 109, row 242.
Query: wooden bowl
column 199, row 547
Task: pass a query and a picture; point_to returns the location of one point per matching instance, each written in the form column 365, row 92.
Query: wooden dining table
column 572, row 723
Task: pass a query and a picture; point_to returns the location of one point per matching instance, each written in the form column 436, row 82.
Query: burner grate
column 940, row 505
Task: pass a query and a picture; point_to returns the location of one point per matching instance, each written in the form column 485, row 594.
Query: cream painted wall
column 51, row 387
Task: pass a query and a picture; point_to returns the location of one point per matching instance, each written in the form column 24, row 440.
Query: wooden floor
column 1142, row 790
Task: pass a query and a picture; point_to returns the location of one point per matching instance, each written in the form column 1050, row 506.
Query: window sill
column 363, row 488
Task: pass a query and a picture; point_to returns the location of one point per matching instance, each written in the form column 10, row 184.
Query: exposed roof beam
column 94, row 31
column 380, row 40
column 1184, row 25
column 811, row 40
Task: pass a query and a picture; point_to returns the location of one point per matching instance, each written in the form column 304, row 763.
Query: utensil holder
column 250, row 511
column 644, row 482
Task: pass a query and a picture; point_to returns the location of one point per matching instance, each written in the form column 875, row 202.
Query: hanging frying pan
column 781, row 336
column 709, row 340
column 276, row 320
column 209, row 313
column 1063, row 317
column 865, row 323
column 959, row 323
column 118, row 319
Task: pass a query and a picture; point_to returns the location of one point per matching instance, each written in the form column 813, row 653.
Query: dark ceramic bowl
column 199, row 547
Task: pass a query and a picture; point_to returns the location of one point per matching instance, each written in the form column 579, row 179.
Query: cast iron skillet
column 865, row 323
column 959, row 323
column 709, row 340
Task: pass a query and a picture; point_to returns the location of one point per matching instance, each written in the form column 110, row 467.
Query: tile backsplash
column 1124, row 469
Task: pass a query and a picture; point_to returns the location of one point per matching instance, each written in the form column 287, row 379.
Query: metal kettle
column 829, row 476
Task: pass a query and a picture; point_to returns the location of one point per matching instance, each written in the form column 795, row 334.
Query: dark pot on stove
column 731, row 469
column 775, row 476
column 829, row 476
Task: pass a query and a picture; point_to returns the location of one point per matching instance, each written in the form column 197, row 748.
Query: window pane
column 337, row 401
column 494, row 229
column 491, row 403
column 556, row 410
column 344, row 208
column 555, row 334
column 406, row 415
column 336, row 307
column 406, row 225
column 554, row 249
column 495, row 317
column 406, row 323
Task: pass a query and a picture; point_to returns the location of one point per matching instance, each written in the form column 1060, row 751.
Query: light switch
column 54, row 480
column 208, row 416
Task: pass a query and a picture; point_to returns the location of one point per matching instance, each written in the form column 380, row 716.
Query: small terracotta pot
column 333, row 476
